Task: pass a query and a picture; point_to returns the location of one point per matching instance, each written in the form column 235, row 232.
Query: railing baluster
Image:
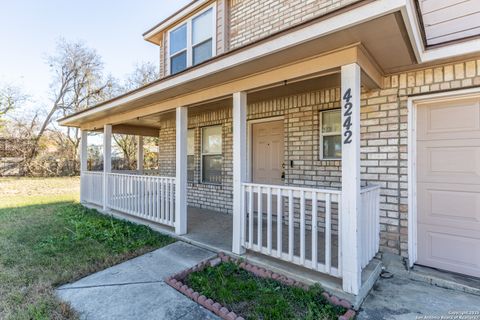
column 339, row 235
column 250, row 217
column 172, row 201
column 315, row 230
column 148, row 197
column 328, row 233
column 138, row 196
column 244, row 217
column 155, row 203
column 290, row 225
column 157, row 200
column 279, row 222
column 167, row 203
column 302, row 227
column 269, row 220
column 260, row 218
column 162, row 199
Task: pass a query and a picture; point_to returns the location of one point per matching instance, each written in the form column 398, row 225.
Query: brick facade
column 251, row 20
column 383, row 142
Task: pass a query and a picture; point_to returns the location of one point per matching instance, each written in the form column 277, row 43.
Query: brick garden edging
column 175, row 281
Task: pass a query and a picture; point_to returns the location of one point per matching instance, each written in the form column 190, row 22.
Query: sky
column 29, row 30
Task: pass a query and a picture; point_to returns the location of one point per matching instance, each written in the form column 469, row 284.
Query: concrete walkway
column 402, row 298
column 135, row 289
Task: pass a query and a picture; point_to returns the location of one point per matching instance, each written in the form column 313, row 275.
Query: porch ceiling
column 374, row 42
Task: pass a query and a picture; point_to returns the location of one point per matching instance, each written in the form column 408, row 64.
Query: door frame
column 250, row 140
column 412, row 103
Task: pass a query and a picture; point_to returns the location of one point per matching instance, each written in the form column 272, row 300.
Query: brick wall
column 383, row 142
column 251, row 20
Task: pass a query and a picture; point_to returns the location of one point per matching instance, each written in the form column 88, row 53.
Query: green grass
column 258, row 298
column 47, row 239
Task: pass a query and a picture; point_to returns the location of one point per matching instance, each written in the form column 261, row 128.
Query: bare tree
column 78, row 82
column 142, row 74
column 10, row 98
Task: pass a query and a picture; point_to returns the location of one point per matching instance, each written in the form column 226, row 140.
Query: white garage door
column 448, row 185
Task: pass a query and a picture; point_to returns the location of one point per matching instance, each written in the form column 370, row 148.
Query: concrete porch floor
column 215, row 229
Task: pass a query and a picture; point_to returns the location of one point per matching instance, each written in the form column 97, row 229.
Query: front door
column 267, row 152
column 448, row 185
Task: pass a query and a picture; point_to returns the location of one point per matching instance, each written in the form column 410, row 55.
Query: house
column 309, row 134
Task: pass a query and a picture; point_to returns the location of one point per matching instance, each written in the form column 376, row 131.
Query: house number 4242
column 347, row 113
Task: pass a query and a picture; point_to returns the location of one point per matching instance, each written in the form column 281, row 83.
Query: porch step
column 439, row 278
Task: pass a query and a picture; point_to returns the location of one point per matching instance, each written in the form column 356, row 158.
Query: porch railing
column 147, row 197
column 369, row 221
column 92, row 187
column 146, row 172
column 301, row 225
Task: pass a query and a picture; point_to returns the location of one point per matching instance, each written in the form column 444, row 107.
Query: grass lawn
column 47, row 239
column 257, row 298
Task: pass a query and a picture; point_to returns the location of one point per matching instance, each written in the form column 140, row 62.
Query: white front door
column 448, row 185
column 267, row 152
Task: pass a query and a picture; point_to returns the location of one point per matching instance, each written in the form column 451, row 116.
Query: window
column 192, row 42
column 178, row 49
column 212, row 159
column 191, row 155
column 330, row 135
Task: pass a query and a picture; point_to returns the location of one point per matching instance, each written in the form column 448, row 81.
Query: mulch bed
column 177, row 282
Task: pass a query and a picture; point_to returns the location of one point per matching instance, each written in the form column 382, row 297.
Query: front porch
column 309, row 235
column 317, row 230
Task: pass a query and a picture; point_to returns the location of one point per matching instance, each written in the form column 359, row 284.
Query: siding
column 447, row 20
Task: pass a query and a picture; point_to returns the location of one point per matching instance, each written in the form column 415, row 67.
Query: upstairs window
column 178, row 49
column 193, row 41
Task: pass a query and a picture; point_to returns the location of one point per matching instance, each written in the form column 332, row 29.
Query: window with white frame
column 191, row 155
column 330, row 135
column 212, row 159
column 193, row 41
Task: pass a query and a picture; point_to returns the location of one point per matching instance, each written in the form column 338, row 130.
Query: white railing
column 92, row 187
column 369, row 224
column 147, row 197
column 146, row 172
column 301, row 225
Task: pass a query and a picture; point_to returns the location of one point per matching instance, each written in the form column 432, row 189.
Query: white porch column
column 83, row 161
column 140, row 155
column 350, row 204
column 181, row 172
column 239, row 166
column 107, row 161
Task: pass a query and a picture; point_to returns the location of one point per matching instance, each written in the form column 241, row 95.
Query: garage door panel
column 455, row 205
column 448, row 185
column 449, row 160
column 450, row 249
column 447, row 120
